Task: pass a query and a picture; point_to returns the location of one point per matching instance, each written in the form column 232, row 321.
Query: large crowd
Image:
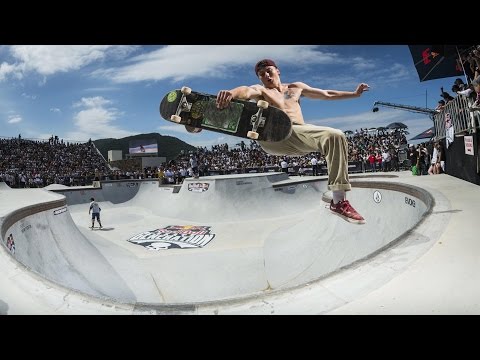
column 28, row 163
column 38, row 163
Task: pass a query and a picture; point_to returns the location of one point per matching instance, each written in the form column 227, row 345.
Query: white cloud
column 14, row 119
column 102, row 89
column 179, row 62
column 96, row 121
column 27, row 96
column 16, row 71
column 55, row 110
column 92, row 102
column 388, row 75
column 47, row 60
column 360, row 64
column 378, row 76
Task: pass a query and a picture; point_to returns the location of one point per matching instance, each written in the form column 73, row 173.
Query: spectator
column 314, row 163
column 446, row 96
column 95, row 209
column 440, row 106
column 476, row 85
column 194, row 166
column 436, row 166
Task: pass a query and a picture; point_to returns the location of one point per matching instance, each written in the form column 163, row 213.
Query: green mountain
column 168, row 146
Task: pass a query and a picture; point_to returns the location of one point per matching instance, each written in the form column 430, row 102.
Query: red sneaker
column 347, row 212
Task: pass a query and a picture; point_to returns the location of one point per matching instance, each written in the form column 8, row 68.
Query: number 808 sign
column 409, row 201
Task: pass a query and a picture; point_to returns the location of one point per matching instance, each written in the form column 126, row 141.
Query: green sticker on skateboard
column 227, row 119
column 172, row 96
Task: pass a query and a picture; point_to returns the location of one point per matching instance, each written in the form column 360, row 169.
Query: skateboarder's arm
column 246, row 92
column 315, row 93
column 242, row 93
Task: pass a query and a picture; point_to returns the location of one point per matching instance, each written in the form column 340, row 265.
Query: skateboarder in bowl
column 95, row 210
column 305, row 138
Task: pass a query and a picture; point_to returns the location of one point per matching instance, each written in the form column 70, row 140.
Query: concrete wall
column 114, row 155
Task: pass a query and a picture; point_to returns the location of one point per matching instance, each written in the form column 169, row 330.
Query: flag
column 436, row 61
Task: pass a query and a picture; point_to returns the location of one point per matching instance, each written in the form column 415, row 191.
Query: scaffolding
column 463, row 120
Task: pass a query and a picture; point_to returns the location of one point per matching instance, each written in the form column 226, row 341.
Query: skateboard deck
column 245, row 119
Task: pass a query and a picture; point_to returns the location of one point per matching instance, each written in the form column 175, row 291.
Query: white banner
column 468, row 145
column 449, row 130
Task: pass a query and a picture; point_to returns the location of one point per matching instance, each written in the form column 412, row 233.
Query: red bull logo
column 174, row 237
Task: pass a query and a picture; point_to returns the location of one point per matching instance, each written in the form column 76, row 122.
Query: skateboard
column 246, row 119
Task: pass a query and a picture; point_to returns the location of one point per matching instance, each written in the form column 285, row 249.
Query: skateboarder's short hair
column 264, row 63
column 92, row 199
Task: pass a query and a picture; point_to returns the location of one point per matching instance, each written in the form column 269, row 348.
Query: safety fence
column 353, row 168
column 456, row 114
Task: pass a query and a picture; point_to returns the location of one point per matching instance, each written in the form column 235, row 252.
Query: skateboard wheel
column 186, row 90
column 262, row 104
column 175, row 118
column 252, row 134
column 193, row 129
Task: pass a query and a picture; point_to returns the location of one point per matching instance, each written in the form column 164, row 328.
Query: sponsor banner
column 377, row 196
column 174, row 237
column 198, row 187
column 243, row 182
column 143, row 146
column 60, row 211
column 354, row 166
column 468, row 145
column 287, row 189
column 10, row 244
column 449, row 129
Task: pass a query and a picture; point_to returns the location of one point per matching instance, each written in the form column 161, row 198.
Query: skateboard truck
column 257, row 119
column 183, row 106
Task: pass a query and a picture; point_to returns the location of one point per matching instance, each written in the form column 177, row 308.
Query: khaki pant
column 311, row 138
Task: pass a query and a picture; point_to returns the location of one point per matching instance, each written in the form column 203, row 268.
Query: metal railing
column 461, row 118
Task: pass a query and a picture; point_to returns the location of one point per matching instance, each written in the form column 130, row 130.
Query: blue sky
column 99, row 91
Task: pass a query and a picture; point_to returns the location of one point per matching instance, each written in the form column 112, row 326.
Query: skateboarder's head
column 92, row 199
column 263, row 64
